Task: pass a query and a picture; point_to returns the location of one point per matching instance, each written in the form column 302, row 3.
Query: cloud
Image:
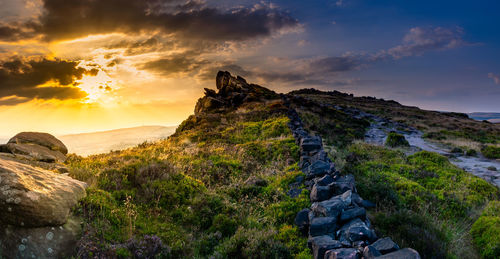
column 63, row 19
column 496, row 78
column 335, row 64
column 331, row 70
column 175, row 64
column 25, row 79
column 420, row 40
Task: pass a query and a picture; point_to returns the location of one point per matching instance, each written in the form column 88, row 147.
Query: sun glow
column 99, row 88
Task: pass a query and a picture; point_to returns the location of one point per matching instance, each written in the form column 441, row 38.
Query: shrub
column 252, row 243
column 471, row 152
column 486, row 231
column 396, row 140
column 492, row 152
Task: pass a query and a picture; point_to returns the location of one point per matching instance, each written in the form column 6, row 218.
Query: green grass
column 423, row 201
column 189, row 190
column 492, row 152
column 486, row 231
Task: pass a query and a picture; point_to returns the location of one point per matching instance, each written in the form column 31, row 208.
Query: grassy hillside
column 218, row 187
column 423, row 201
column 452, row 129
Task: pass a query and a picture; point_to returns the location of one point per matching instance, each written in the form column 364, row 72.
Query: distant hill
column 489, row 116
column 104, row 141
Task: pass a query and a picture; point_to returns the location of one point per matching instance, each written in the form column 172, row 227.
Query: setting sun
column 99, row 88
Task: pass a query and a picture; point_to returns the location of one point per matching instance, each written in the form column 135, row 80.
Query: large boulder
column 41, row 139
column 34, row 197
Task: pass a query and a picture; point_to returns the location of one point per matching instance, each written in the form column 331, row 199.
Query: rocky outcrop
column 232, row 92
column 336, row 222
column 36, row 146
column 35, row 203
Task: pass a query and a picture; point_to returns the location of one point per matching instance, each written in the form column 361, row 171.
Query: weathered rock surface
column 321, row 244
column 349, row 214
column 41, row 139
column 34, row 197
column 322, row 226
column 41, row 242
column 370, row 252
column 342, row 253
column 36, row 152
column 319, row 193
column 232, row 92
column 405, row 253
column 36, row 146
column 302, row 220
column 385, row 245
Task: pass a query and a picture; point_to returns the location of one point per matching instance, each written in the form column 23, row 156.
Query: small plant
column 396, row 140
column 491, row 168
column 491, row 152
column 471, row 152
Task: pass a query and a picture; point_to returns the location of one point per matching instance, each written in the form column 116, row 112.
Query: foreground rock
column 41, row 242
column 34, row 197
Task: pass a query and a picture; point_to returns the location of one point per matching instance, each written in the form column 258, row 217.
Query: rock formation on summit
column 232, row 92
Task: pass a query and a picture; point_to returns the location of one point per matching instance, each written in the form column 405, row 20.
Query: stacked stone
column 336, row 222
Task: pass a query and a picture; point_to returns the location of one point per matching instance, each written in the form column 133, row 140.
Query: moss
column 396, row 140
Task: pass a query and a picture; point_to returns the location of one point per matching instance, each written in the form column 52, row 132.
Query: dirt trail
column 377, row 134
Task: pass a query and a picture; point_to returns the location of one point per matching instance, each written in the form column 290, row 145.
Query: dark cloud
column 22, row 79
column 64, row 19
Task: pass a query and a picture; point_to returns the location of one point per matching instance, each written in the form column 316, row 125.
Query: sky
column 86, row 65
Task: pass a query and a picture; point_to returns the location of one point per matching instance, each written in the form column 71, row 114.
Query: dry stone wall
column 336, row 223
